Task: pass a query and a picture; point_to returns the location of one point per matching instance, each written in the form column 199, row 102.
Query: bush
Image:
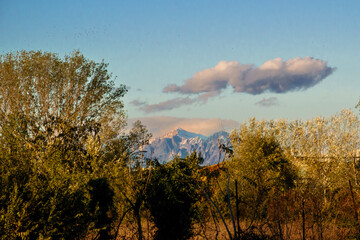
column 171, row 198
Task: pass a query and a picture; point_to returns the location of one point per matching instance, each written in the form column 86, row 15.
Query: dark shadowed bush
column 171, row 198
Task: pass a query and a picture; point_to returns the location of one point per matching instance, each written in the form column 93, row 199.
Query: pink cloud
column 274, row 75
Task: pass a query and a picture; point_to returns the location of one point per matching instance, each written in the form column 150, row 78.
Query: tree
column 324, row 150
column 261, row 169
column 43, row 88
column 172, row 195
column 131, row 181
column 57, row 117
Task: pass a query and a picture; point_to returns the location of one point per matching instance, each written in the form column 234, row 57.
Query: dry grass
column 211, row 231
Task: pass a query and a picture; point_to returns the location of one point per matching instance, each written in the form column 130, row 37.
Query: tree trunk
column 138, row 217
column 278, row 216
column 303, row 219
column 237, row 208
column 229, row 204
column 355, row 208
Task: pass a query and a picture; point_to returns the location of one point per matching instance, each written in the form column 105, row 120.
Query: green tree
column 172, row 195
column 131, row 176
column 324, row 150
column 261, row 169
column 57, row 117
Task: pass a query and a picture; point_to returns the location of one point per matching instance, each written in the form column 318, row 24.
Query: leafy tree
column 325, row 152
column 261, row 169
column 131, row 176
column 172, row 195
column 57, row 117
column 44, row 88
column 101, row 203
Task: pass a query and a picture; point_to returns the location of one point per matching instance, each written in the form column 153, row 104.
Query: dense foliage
column 172, row 195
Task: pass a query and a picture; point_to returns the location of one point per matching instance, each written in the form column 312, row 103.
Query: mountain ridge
column 181, row 142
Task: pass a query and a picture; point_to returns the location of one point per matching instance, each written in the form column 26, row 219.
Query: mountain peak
column 181, row 143
column 184, row 134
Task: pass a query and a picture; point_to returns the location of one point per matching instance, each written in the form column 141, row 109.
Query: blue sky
column 152, row 44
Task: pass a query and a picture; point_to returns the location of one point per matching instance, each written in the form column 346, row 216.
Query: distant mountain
column 181, row 142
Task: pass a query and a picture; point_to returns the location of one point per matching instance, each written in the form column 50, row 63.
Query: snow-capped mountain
column 181, row 142
column 184, row 134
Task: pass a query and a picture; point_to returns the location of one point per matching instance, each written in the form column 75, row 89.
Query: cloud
column 172, row 103
column 268, row 102
column 276, row 76
column 166, row 105
column 137, row 103
column 160, row 125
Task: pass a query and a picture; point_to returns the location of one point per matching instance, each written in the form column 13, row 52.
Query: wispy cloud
column 268, row 102
column 138, row 103
column 276, row 76
column 160, row 125
column 166, row 105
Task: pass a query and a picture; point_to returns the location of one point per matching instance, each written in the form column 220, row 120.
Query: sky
column 205, row 66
